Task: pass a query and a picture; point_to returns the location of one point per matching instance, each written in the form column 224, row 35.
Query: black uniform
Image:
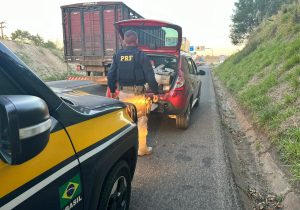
column 131, row 67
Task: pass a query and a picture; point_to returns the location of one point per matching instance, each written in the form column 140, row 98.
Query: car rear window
column 155, row 36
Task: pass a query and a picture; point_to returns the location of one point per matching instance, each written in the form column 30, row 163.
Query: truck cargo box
column 89, row 34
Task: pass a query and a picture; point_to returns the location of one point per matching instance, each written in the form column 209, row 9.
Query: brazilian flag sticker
column 69, row 191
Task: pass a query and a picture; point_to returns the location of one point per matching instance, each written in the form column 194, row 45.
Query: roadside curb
column 276, row 179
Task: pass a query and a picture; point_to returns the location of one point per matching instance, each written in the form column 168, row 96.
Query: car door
column 51, row 179
column 197, row 78
column 187, row 73
column 193, row 78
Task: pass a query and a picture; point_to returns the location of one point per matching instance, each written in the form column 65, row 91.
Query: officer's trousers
column 141, row 103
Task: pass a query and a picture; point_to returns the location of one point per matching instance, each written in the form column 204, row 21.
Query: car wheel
column 117, row 189
column 198, row 98
column 183, row 121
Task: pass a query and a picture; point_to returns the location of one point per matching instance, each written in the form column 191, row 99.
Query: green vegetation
column 58, row 53
column 62, row 76
column 26, row 38
column 265, row 78
column 24, row 57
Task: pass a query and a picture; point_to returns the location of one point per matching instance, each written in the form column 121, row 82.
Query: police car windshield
column 155, row 36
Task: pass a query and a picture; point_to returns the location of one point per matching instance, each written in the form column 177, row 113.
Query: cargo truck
column 90, row 38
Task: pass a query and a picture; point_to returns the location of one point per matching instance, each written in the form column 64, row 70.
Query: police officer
column 131, row 70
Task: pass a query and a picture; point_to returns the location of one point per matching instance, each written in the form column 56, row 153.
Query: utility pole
column 2, row 26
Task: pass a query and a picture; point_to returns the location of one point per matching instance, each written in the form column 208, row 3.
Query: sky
column 204, row 22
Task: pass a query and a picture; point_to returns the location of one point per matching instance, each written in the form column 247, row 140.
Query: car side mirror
column 201, row 72
column 24, row 128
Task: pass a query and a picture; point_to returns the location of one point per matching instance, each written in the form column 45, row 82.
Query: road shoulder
column 262, row 181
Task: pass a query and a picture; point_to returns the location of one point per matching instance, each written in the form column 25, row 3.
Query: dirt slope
column 48, row 64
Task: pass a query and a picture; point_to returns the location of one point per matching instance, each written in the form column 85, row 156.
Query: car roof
column 185, row 54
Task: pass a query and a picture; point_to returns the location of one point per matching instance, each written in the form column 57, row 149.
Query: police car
column 58, row 152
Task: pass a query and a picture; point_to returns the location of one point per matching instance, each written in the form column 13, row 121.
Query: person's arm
column 149, row 73
column 112, row 76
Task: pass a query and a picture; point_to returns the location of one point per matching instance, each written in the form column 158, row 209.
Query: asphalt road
column 188, row 169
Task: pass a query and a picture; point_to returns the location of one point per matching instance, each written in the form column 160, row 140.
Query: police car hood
column 89, row 101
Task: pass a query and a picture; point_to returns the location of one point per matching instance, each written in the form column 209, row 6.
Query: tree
column 26, row 37
column 37, row 40
column 19, row 35
column 243, row 20
column 248, row 14
column 50, row 45
column 5, row 37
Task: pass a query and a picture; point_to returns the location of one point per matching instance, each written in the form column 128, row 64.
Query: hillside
column 265, row 79
column 48, row 64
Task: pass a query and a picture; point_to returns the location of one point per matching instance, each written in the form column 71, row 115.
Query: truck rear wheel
column 183, row 121
column 117, row 188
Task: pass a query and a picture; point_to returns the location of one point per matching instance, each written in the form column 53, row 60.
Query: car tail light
column 179, row 83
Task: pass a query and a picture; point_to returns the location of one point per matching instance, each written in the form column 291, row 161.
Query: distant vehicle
column 175, row 71
column 65, row 151
column 200, row 63
column 90, row 39
column 222, row 58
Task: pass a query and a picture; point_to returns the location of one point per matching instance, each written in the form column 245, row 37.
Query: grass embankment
column 265, row 78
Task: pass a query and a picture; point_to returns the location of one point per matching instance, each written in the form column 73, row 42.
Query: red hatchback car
column 175, row 71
